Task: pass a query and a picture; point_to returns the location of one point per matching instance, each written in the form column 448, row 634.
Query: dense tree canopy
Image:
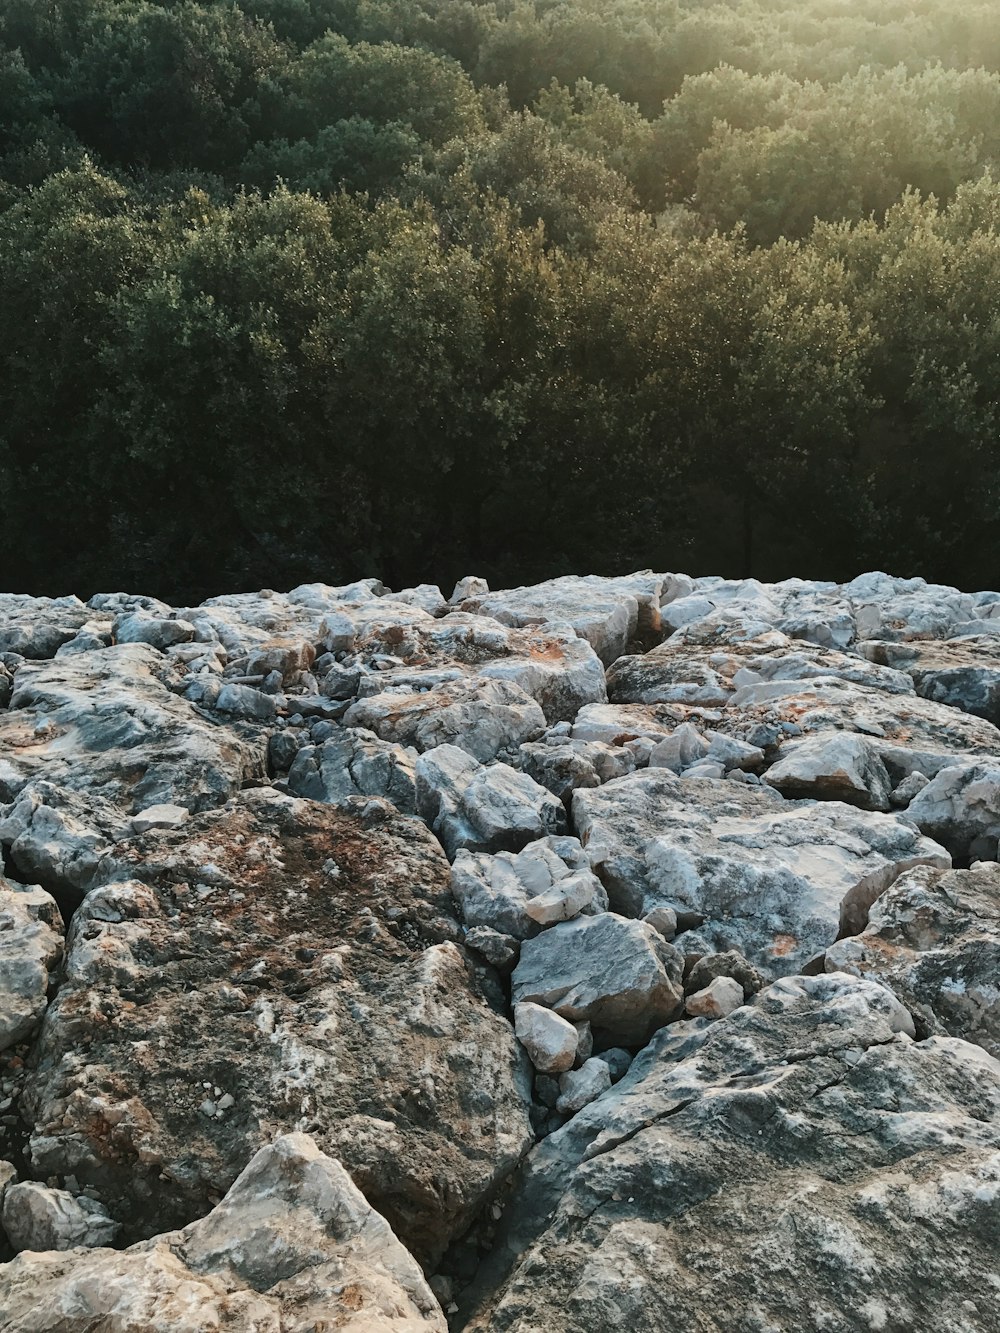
column 316, row 288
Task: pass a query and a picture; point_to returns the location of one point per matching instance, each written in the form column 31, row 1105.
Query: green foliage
column 316, row 288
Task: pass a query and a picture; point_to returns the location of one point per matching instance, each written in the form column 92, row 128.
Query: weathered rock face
column 294, row 1246
column 834, row 768
column 31, row 946
column 272, row 965
column 718, row 1165
column 777, row 880
column 934, row 940
column 103, row 722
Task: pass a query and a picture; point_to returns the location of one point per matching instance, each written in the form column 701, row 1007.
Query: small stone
column 584, row 1043
column 663, row 920
column 565, row 900
column 581, row 1086
column 618, row 1061
column 159, row 816
column 551, row 1041
column 546, row 1090
column 716, row 1000
column 911, row 787
column 226, row 1102
column 208, row 1107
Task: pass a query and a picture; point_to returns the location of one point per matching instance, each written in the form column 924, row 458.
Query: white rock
column 565, row 900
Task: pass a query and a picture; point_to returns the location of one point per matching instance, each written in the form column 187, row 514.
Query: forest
column 314, row 289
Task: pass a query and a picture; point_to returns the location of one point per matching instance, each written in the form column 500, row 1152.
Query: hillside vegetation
column 299, row 289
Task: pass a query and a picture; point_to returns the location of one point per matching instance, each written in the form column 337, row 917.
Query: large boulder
column 275, row 964
column 620, row 976
column 37, row 1217
column 963, row 673
column 775, row 1165
column 31, row 947
column 104, row 722
column 934, row 940
column 293, row 1246
column 484, row 809
column 481, row 717
column 743, row 869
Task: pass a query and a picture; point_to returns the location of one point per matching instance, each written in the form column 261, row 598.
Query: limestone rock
column 604, row 611
column 103, row 722
column 31, row 946
column 579, row 1087
column 934, row 940
column 833, row 768
column 730, row 964
column 299, row 961
column 618, row 975
column 618, row 724
column 354, row 762
column 496, row 892
column 482, row 809
column 36, row 1217
column 60, row 838
column 562, row 764
column 481, row 717
column 962, row 673
column 294, row 1245
column 719, row 998
column 551, row 1041
column 776, row 880
column 36, row 627
column 718, row 1165
column 158, row 632
column 960, row 807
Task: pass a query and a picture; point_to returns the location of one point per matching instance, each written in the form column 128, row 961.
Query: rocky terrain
column 610, row 953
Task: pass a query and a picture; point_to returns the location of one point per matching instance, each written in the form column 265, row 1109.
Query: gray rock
column 497, row 891
column 579, row 1087
column 482, row 809
column 562, row 764
column 31, row 946
column 294, row 1244
column 551, row 1041
column 481, row 717
column 618, row 1061
column 681, row 749
column 833, row 768
column 158, row 816
column 60, row 838
column 36, row 1217
column 36, row 627
column 470, row 586
column 718, row 1165
column 776, row 880
column 960, row 807
column 619, row 724
column 301, row 960
column 500, row 951
column 618, row 975
column 242, row 701
column 934, row 940
column 355, row 763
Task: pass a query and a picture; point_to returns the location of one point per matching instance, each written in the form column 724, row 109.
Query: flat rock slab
column 777, row 880
column 783, row 1159
column 293, row 1246
column 274, row 964
column 104, row 722
column 934, row 940
column 963, row 673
